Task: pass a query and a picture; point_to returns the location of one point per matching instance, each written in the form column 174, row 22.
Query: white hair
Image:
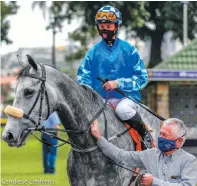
column 180, row 129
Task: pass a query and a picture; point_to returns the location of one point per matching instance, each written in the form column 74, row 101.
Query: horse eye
column 28, row 92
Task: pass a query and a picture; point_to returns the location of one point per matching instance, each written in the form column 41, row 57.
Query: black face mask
column 107, row 35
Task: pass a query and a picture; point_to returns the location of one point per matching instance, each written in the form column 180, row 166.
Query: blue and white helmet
column 108, row 14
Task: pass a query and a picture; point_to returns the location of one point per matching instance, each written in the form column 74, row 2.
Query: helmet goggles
column 108, row 16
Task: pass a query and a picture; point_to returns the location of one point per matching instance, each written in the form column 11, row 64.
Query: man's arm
column 120, row 156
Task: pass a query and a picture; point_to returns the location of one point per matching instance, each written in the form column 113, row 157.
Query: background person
column 50, row 152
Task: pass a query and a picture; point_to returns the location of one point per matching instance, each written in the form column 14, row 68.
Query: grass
column 25, row 163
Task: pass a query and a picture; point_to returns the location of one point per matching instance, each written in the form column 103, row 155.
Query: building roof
column 186, row 59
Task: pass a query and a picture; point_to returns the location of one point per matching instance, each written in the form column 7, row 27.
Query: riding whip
column 121, row 92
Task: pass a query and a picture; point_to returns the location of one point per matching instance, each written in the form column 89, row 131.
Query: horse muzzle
column 9, row 138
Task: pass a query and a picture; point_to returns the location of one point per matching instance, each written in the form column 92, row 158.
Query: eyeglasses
column 108, row 15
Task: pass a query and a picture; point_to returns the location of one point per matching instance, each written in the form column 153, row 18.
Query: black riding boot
column 137, row 123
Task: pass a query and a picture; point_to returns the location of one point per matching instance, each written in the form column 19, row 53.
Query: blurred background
column 59, row 33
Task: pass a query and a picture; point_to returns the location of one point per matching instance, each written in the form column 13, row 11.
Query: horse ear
column 32, row 62
column 21, row 62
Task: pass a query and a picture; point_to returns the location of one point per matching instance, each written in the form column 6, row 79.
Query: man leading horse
column 169, row 165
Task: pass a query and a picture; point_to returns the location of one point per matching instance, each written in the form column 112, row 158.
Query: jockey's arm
column 139, row 78
column 84, row 71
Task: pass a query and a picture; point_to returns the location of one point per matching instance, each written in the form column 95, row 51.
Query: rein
column 75, row 147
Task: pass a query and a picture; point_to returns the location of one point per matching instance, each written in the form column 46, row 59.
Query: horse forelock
column 22, row 72
column 25, row 69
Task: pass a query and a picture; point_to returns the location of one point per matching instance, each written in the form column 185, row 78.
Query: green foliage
column 9, row 100
column 55, row 12
column 174, row 19
column 137, row 18
column 166, row 16
column 83, row 37
column 7, row 9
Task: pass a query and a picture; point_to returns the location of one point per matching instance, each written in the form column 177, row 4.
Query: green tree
column 146, row 20
column 7, row 9
column 56, row 18
column 166, row 16
column 140, row 19
column 86, row 11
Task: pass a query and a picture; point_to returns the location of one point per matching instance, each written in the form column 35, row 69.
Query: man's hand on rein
column 95, row 130
column 147, row 179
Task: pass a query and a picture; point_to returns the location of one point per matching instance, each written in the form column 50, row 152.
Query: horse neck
column 76, row 106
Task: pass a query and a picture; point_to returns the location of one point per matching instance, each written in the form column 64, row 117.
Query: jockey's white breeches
column 125, row 108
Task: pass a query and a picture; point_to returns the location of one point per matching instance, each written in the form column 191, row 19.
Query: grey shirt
column 178, row 169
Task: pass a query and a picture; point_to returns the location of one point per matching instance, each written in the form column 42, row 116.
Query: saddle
column 135, row 136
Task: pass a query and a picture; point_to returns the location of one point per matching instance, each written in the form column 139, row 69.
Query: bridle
column 38, row 127
column 42, row 91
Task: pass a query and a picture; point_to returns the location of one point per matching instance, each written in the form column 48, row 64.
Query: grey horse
column 76, row 106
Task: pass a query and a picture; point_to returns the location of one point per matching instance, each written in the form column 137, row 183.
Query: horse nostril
column 9, row 137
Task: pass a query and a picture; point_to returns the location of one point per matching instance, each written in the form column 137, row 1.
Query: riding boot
column 137, row 123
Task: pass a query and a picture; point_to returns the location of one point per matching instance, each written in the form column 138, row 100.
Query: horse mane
column 94, row 96
column 24, row 69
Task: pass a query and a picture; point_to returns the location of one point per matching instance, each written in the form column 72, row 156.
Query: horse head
column 31, row 104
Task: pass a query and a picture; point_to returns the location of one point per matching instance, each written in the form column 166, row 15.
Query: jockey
column 120, row 63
